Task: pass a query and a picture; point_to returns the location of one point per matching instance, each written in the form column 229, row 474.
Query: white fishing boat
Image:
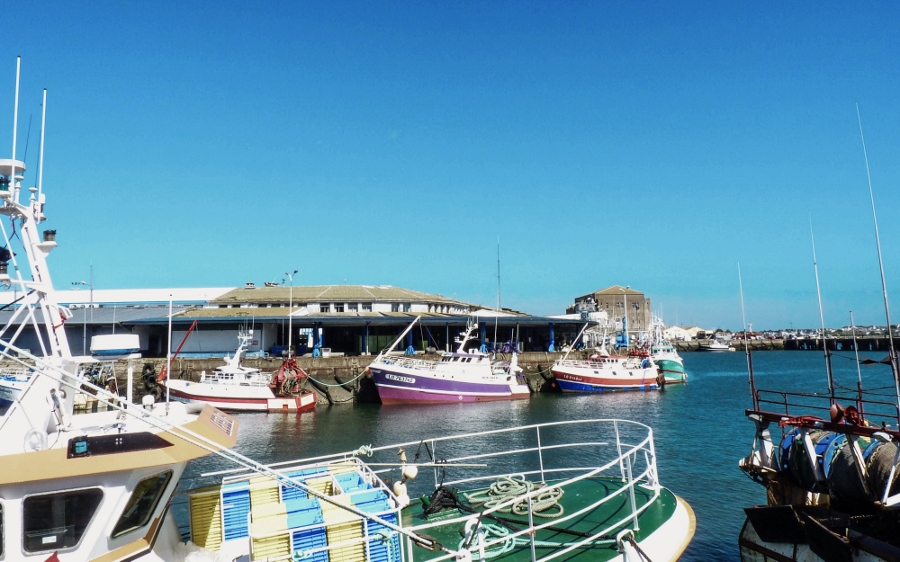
column 100, row 485
column 12, row 381
column 715, row 345
column 234, row 387
column 466, row 375
column 93, row 486
column 606, row 373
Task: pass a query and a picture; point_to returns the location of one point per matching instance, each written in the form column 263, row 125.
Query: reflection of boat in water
column 715, row 345
column 466, row 375
column 236, row 387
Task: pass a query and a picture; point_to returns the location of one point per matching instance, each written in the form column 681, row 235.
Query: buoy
column 399, row 489
column 409, row 472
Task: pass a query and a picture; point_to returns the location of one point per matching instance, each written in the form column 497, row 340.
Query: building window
column 367, row 307
column 395, row 307
column 352, row 307
column 407, row 307
column 57, row 521
column 339, row 307
column 142, row 503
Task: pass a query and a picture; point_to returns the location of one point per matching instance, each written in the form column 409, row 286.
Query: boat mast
column 859, row 395
column 752, row 380
column 887, row 311
column 822, row 316
column 40, row 182
column 497, row 317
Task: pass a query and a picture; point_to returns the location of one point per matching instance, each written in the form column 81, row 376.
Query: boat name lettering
column 398, row 378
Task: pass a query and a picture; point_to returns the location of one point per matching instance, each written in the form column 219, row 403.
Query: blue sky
column 650, row 144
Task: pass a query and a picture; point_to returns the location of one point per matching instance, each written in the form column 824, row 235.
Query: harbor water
column 700, row 429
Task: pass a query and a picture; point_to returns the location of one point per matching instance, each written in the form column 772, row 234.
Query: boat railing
column 801, row 407
column 631, row 463
column 408, row 362
column 556, row 454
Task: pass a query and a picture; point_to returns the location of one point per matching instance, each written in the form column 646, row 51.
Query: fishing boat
column 669, row 362
column 715, row 345
column 465, row 375
column 605, row 374
column 830, row 464
column 602, row 372
column 576, row 490
column 92, row 486
column 664, row 354
column 234, row 387
column 12, row 381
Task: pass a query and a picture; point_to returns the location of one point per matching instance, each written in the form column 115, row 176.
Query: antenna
column 752, row 379
column 40, row 182
column 12, row 168
column 497, row 316
column 821, row 315
column 887, row 311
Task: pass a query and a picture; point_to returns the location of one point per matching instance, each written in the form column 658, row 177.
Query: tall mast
column 887, row 310
column 822, row 316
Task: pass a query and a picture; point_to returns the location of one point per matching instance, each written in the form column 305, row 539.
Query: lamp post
column 625, row 312
column 290, row 309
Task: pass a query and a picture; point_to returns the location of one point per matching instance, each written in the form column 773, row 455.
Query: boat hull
column 240, row 399
column 672, row 371
column 405, row 387
column 10, row 388
column 573, row 378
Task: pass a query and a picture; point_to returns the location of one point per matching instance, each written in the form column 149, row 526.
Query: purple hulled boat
column 460, row 376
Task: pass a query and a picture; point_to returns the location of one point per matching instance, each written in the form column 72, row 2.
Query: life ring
column 35, row 440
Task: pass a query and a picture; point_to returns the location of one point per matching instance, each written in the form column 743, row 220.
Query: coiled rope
column 509, row 487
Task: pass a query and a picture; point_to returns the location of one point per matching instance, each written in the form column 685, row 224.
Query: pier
column 341, row 379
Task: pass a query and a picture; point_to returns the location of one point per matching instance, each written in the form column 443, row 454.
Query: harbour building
column 319, row 320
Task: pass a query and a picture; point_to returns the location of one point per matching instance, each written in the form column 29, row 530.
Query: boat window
column 57, row 521
column 142, row 503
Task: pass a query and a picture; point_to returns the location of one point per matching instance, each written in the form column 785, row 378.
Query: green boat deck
column 577, row 496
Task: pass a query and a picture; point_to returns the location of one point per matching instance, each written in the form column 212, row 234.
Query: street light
column 290, row 309
column 625, row 312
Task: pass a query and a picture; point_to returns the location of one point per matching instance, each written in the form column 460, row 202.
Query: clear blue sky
column 650, row 144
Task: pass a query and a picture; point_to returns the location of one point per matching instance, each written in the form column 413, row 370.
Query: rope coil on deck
column 509, row 487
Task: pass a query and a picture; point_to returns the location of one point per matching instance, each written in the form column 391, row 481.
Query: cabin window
column 395, row 307
column 351, row 307
column 367, row 307
column 58, row 521
column 339, row 307
column 142, row 503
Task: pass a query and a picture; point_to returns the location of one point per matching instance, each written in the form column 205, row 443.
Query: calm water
column 699, row 428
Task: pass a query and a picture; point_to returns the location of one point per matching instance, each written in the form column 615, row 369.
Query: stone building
column 617, row 301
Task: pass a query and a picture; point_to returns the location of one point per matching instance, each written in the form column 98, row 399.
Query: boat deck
column 605, row 521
